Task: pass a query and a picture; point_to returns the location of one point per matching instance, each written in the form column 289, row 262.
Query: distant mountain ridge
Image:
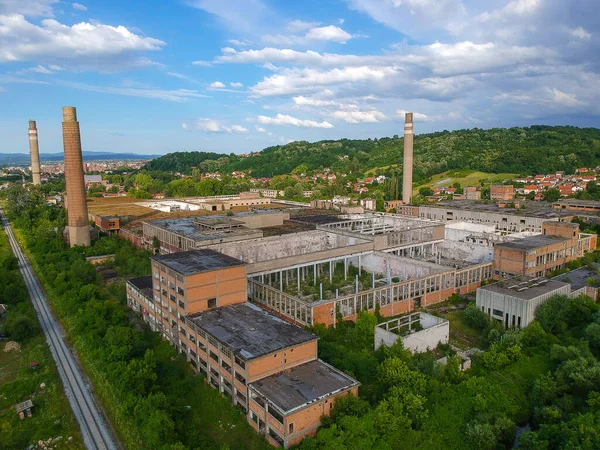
column 23, row 158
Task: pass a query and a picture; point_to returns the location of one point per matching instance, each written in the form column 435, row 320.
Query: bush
column 476, row 318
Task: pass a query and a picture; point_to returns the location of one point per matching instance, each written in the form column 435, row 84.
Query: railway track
column 96, row 434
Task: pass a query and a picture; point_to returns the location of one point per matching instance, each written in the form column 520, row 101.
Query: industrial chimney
column 408, row 159
column 35, row 153
column 79, row 233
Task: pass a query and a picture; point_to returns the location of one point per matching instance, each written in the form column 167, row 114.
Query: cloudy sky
column 153, row 76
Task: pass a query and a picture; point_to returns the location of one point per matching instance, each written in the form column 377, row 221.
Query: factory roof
column 187, row 227
column 302, row 385
column 196, row 261
column 318, row 219
column 533, row 242
column 249, row 330
column 572, row 201
column 578, row 278
column 524, row 288
column 142, row 282
column 530, row 209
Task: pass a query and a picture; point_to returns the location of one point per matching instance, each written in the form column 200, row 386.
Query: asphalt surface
column 95, row 433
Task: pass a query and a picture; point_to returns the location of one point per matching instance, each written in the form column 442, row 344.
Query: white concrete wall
column 435, row 330
column 165, row 206
column 514, row 306
column 405, row 268
column 428, row 338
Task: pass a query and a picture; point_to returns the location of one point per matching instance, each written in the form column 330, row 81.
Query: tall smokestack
column 77, row 212
column 408, row 159
column 35, row 153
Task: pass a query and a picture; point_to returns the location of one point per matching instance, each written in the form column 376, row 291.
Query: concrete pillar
column 35, row 153
column 280, row 281
column 321, row 290
column 330, row 272
column 356, row 284
column 359, row 266
column 345, row 268
column 298, row 279
column 408, row 159
column 315, row 273
column 373, row 283
column 79, row 233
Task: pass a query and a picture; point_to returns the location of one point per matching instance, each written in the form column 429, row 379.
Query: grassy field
column 465, row 178
column 9, row 365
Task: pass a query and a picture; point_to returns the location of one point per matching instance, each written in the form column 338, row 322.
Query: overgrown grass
column 52, row 414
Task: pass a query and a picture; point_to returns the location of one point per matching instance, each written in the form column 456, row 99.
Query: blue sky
column 154, row 76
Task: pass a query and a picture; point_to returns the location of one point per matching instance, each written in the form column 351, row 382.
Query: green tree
column 552, row 195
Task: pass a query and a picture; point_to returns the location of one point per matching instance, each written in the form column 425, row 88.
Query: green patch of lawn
column 465, row 178
column 462, row 335
column 9, row 365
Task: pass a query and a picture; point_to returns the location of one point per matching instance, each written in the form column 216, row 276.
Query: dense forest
column 535, row 149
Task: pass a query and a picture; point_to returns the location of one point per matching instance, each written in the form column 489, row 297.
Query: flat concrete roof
column 578, row 278
column 302, row 385
column 531, row 209
column 318, row 219
column 142, row 282
column 250, row 331
column 511, row 287
column 532, row 242
column 196, row 261
column 572, row 201
column 186, row 227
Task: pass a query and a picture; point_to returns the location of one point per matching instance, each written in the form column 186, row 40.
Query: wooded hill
column 531, row 150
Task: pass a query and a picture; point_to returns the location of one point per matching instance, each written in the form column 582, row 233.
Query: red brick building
column 267, row 366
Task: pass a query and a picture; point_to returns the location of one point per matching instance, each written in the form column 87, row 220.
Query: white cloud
column 246, row 16
column 284, row 119
column 512, row 9
column 565, row 99
column 181, row 76
column 236, row 85
column 179, row 95
column 216, row 85
column 261, row 130
column 214, row 126
column 411, row 17
column 202, row 63
column 79, row 6
column 416, row 115
column 298, row 25
column 2, row 89
column 293, row 81
column 41, row 69
column 238, row 43
column 312, row 101
column 30, row 8
column 329, row 33
column 580, row 33
column 443, row 59
column 85, row 45
column 356, row 116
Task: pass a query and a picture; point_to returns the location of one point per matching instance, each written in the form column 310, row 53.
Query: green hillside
column 535, row 149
